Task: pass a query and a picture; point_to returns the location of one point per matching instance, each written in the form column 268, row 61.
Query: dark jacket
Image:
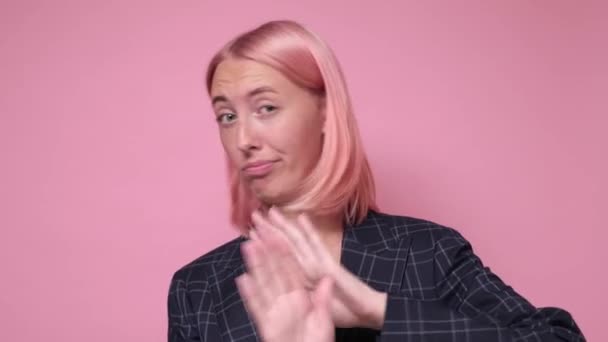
column 438, row 290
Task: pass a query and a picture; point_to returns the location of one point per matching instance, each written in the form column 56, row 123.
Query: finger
column 323, row 294
column 281, row 248
column 278, row 255
column 249, row 292
column 292, row 231
column 253, row 259
column 286, row 270
column 312, row 236
column 253, row 235
column 321, row 321
column 258, row 220
column 353, row 292
column 269, row 233
column 291, row 273
column 271, row 276
column 258, row 268
column 277, row 280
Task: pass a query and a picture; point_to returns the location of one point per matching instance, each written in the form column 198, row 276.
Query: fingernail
column 255, row 216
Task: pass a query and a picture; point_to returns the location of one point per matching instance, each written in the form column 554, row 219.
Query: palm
column 353, row 299
column 277, row 299
column 294, row 317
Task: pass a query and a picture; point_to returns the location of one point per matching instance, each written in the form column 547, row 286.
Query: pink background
column 490, row 118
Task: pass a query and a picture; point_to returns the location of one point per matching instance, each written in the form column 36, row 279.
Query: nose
column 246, row 137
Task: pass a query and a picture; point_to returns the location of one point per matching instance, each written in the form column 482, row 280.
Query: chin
column 268, row 198
column 270, row 195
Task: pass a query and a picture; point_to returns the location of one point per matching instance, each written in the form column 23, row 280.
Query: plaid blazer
column 438, row 290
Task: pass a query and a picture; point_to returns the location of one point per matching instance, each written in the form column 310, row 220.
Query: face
column 270, row 127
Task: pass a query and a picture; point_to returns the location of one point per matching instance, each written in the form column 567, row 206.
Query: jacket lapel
column 372, row 251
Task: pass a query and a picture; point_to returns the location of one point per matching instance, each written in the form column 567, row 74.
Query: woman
column 316, row 253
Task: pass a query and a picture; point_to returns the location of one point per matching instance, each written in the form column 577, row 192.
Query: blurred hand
column 354, row 303
column 275, row 296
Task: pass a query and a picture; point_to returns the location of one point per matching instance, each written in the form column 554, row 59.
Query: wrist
column 376, row 311
column 380, row 310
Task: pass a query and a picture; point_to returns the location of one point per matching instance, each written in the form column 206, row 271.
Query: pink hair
column 342, row 180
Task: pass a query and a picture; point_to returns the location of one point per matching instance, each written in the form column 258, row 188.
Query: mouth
column 258, row 169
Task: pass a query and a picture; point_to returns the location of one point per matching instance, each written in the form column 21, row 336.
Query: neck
column 328, row 227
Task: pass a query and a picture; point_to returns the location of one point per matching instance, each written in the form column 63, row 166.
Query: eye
column 268, row 109
column 226, row 118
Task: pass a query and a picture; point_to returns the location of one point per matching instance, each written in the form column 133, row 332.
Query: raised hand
column 275, row 296
column 354, row 303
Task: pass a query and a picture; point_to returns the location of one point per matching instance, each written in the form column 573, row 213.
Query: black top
column 438, row 290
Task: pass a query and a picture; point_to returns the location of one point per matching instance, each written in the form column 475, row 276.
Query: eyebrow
column 252, row 93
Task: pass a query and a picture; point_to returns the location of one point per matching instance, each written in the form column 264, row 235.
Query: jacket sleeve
column 472, row 304
column 190, row 314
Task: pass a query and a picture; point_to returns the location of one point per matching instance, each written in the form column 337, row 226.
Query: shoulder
column 423, row 232
column 208, row 266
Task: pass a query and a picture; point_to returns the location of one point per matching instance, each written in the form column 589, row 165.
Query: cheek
column 302, row 144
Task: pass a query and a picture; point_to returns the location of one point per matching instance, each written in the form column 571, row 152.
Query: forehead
column 238, row 76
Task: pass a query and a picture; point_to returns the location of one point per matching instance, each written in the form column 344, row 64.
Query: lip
column 258, row 168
